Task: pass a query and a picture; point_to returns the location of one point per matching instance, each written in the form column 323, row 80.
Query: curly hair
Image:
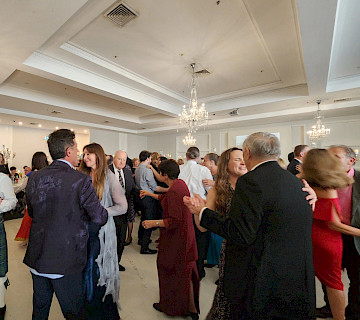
column 323, row 170
column 222, row 185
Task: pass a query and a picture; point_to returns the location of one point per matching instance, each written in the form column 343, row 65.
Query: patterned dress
column 220, row 309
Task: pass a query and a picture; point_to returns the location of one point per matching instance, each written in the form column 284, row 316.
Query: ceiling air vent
column 56, row 112
column 121, row 14
column 342, row 100
column 202, row 72
column 235, row 112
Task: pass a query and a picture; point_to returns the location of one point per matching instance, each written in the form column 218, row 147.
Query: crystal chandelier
column 318, row 131
column 193, row 116
column 189, row 140
column 8, row 154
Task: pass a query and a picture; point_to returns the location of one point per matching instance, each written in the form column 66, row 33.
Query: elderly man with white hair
column 269, row 270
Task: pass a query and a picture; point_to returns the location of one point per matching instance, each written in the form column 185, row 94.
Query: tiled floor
column 138, row 289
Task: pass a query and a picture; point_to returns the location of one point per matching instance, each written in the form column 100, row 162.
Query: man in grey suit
column 124, row 175
column 269, row 270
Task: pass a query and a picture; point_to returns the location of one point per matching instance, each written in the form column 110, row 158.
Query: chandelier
column 193, row 116
column 318, row 131
column 189, row 140
column 8, row 154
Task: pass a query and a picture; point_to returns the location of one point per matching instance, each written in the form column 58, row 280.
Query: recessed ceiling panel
column 233, row 40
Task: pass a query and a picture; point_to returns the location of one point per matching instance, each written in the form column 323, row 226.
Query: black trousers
column 350, row 262
column 148, row 213
column 121, row 229
column 202, row 242
column 68, row 290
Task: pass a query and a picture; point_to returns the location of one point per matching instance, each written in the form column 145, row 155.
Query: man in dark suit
column 124, row 174
column 349, row 199
column 61, row 201
column 300, row 152
column 268, row 261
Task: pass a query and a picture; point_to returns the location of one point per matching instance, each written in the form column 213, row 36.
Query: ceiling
column 64, row 63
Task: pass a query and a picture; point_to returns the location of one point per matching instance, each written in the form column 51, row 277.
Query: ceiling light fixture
column 39, row 125
column 318, row 131
column 20, row 123
column 56, row 128
column 189, row 140
column 193, row 116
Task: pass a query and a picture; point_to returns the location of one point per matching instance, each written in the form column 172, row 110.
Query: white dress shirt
column 6, row 194
column 117, row 172
column 193, row 175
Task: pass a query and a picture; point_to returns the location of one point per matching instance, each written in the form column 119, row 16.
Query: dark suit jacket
column 129, row 186
column 355, row 220
column 292, row 166
column 61, row 202
column 268, row 259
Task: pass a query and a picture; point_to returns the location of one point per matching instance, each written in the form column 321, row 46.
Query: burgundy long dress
column 177, row 254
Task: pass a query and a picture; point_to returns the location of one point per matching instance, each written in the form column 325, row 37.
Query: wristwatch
column 157, row 223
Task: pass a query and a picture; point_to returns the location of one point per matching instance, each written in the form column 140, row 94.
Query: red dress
column 177, row 255
column 327, row 244
column 24, row 231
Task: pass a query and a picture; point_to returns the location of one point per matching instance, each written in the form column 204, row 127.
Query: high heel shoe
column 128, row 242
column 157, row 307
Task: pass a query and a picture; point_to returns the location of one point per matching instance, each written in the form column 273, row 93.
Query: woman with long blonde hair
column 101, row 275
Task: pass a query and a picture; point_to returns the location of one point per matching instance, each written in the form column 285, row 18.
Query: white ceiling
column 271, row 59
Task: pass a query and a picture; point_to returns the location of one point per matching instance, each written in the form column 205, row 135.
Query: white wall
column 109, row 140
column 113, row 141
column 26, row 141
column 344, row 130
column 135, row 144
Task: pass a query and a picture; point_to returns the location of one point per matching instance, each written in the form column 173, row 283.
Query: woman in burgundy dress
column 324, row 173
column 176, row 263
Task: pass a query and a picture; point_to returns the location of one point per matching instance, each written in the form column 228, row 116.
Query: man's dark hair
column 213, row 157
column 110, row 160
column 59, row 141
column 169, row 167
column 291, row 156
column 12, row 168
column 298, row 149
column 192, row 153
column 144, row 155
column 162, row 158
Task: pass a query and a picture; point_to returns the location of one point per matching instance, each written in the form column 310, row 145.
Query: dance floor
column 138, row 288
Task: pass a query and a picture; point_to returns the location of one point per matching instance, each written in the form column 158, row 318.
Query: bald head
column 120, row 159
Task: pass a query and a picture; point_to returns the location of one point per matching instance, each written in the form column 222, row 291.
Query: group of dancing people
column 277, row 231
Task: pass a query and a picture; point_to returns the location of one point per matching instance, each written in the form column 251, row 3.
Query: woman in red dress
column 324, row 173
column 39, row 161
column 176, row 263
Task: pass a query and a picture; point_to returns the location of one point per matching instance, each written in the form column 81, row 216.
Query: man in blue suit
column 61, row 202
